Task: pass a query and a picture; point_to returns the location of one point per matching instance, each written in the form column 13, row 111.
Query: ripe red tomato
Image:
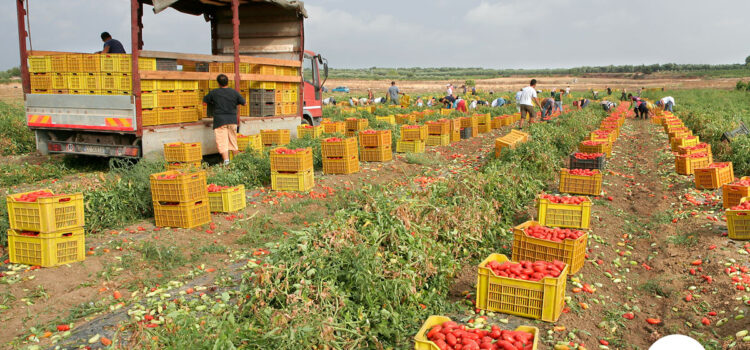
column 580, row 155
column 451, row 336
column 583, row 172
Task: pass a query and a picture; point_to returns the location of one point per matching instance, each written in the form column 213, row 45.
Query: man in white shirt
column 449, row 89
column 667, row 103
column 528, row 96
column 567, row 91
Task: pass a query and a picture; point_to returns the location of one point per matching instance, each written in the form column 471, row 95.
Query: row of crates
column 171, row 115
column 81, row 81
column 46, row 231
column 162, row 99
column 88, row 63
column 247, row 68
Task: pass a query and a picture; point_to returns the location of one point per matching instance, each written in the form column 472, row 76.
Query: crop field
column 363, row 260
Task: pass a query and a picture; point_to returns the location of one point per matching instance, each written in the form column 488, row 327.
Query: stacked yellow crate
column 46, row 229
column 292, row 169
column 340, row 156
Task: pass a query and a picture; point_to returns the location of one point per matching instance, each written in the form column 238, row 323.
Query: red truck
column 258, row 44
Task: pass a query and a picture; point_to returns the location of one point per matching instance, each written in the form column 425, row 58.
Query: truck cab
column 131, row 105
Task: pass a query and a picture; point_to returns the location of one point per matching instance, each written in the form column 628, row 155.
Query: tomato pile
column 368, row 131
column 283, row 150
column 553, row 234
column 583, row 172
column 450, row 335
column 216, row 188
column 580, row 155
column 694, row 155
column 563, row 199
column 742, row 206
column 412, row 126
column 168, row 176
column 32, row 196
column 527, row 270
column 718, row 165
column 743, row 183
column 698, row 146
column 333, row 139
column 593, row 143
column 307, row 126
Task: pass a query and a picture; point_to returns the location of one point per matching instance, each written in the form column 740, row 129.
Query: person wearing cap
column 393, row 93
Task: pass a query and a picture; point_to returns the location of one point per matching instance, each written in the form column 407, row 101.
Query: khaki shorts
column 226, row 138
column 527, row 109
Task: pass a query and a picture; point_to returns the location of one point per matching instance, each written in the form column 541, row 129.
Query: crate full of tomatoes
column 580, row 160
column 441, row 333
column 581, row 181
column 564, row 211
column 533, row 241
column 502, row 283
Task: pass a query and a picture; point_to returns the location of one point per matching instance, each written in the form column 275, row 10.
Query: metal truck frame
column 269, row 32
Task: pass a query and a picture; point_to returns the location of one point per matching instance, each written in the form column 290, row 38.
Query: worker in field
column 608, row 105
column 111, row 45
column 449, row 89
column 393, row 93
column 557, row 97
column 498, row 102
column 609, row 91
column 420, row 102
column 567, row 91
column 624, row 96
column 547, row 106
column 370, row 95
column 460, row 105
column 666, row 103
column 528, row 96
column 223, row 101
column 518, row 100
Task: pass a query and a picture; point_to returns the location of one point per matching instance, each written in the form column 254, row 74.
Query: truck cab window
column 307, row 70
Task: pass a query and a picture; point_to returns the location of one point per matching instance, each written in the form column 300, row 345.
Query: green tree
column 740, row 85
column 747, row 60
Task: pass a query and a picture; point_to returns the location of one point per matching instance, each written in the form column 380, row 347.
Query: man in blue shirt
column 111, row 45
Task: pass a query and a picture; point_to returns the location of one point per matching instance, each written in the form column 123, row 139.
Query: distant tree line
column 418, row 73
column 10, row 73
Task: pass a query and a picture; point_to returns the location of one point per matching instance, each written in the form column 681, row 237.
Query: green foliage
column 15, row 136
column 741, row 86
column 124, row 197
column 6, row 76
column 251, row 169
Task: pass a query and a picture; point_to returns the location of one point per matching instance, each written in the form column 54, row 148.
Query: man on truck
column 111, row 45
column 223, row 101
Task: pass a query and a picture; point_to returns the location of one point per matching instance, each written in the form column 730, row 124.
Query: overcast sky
column 432, row 33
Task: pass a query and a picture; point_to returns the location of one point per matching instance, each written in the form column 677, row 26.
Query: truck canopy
column 268, row 28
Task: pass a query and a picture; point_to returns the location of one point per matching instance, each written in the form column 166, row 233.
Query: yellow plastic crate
column 228, row 200
column 188, row 99
column 146, row 64
column 403, row 119
column 183, row 165
column 309, row 131
column 39, row 64
column 184, row 215
column 189, row 114
column 334, row 127
column 701, row 147
column 275, row 137
column 60, row 81
column 438, row 140
column 713, row 178
column 169, row 116
column 595, row 147
column 149, row 117
column 422, row 343
column 564, row 215
column 356, row 124
column 167, row 99
column 90, row 81
column 733, row 193
column 580, row 184
column 58, row 64
column 527, row 248
column 115, row 63
column 249, row 141
column 678, row 142
column 296, row 162
column 376, row 154
column 166, row 85
column 54, row 249
column 412, row 133
column 438, row 127
column 542, row 300
column 738, row 222
column 375, row 138
column 410, row 146
column 339, row 149
column 390, row 119
column 686, row 164
column 47, row 214
column 445, row 111
column 187, row 85
column 74, row 63
column 289, row 108
column 178, row 186
column 90, row 63
column 41, row 81
column 302, row 181
column 183, row 152
column 347, row 165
